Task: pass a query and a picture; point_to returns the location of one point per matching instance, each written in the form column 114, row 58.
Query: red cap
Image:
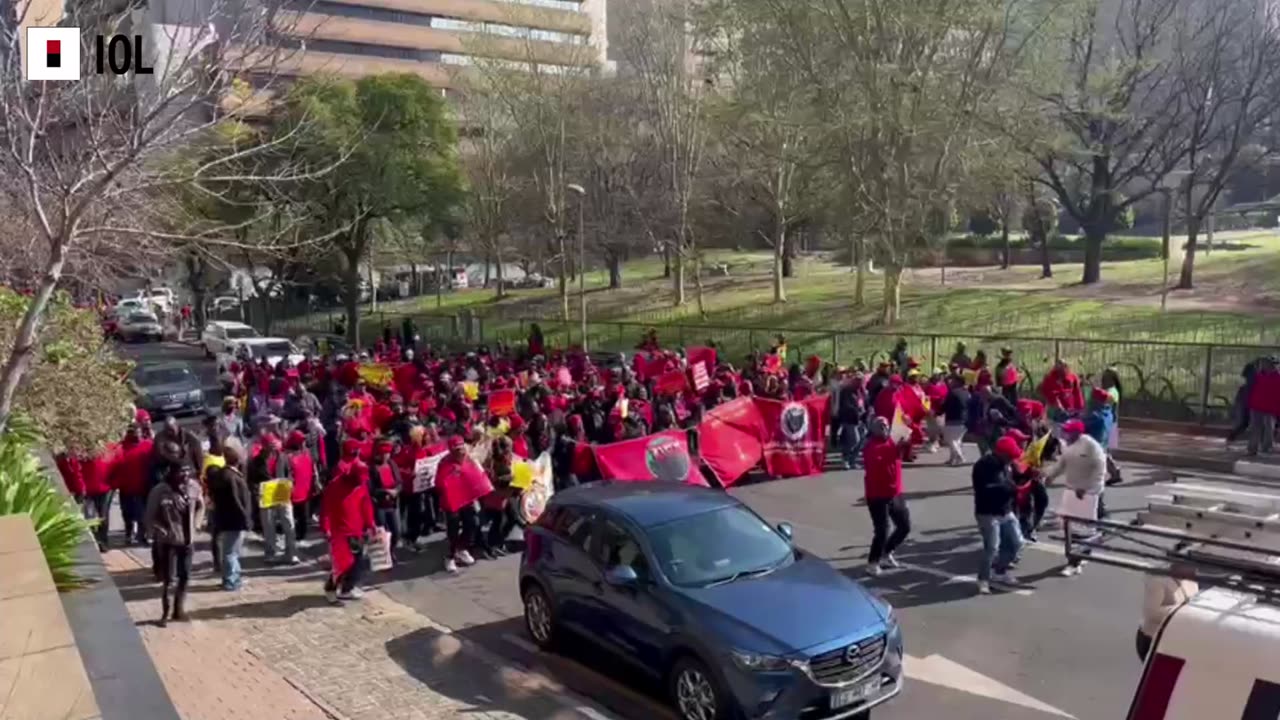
column 456, row 441
column 516, row 422
column 350, row 447
column 1017, row 435
column 1007, row 448
column 295, row 440
column 1073, row 426
column 385, row 447
column 141, row 416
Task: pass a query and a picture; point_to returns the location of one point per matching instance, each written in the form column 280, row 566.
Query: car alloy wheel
column 695, row 696
column 537, row 616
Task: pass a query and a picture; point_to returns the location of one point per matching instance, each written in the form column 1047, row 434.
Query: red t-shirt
column 882, row 460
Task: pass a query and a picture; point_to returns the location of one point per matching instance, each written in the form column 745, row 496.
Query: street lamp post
column 581, row 192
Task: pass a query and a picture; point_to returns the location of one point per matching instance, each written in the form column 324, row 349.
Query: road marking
column 937, row 670
column 970, row 579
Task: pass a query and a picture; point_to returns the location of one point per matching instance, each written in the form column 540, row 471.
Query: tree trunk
column 440, row 284
column 24, row 341
column 677, row 277
column 1186, row 279
column 413, row 279
column 860, row 267
column 488, row 269
column 351, row 297
column 1046, row 260
column 788, row 252
column 779, row 260
column 264, row 302
column 615, row 271
column 564, row 280
column 1006, row 243
column 666, row 261
column 502, row 286
column 1094, row 235
column 892, row 294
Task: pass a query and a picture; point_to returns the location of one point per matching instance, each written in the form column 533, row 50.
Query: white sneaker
column 355, row 594
column 464, row 558
column 873, row 570
column 1004, row 578
column 984, row 587
column 890, row 561
column 1070, row 571
column 450, row 566
column 295, row 560
column 332, row 597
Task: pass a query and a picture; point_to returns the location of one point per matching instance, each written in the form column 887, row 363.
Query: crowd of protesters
column 350, row 433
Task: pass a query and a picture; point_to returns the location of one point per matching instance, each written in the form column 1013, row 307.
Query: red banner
column 502, row 402
column 698, row 371
column 729, row 439
column 663, row 457
column 795, row 433
column 699, row 354
column 670, row 383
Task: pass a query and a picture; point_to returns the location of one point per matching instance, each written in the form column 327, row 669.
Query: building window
column 342, row 47
column 325, row 7
column 546, row 68
column 569, row 5
column 509, row 31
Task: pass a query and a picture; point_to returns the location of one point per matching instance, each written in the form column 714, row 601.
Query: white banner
column 424, row 472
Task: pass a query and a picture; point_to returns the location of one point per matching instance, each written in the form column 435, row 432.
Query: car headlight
column 759, row 662
column 195, row 395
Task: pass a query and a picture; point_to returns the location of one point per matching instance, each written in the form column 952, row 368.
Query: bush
column 25, row 489
column 982, row 224
column 73, row 393
column 1115, row 248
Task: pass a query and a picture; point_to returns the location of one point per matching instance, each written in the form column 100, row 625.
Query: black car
column 167, row 389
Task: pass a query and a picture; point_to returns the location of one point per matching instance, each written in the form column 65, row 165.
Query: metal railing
column 1181, row 381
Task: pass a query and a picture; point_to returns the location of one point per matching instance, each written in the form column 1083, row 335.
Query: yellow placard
column 471, row 389
column 970, row 377
column 1031, row 456
column 377, row 374
column 521, row 475
column 275, row 493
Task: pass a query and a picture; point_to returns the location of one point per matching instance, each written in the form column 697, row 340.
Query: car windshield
column 162, row 376
column 717, row 546
column 239, row 333
column 274, row 349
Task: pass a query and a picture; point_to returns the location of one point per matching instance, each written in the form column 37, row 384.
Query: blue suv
column 692, row 587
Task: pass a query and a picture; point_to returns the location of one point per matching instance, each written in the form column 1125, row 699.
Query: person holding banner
column 346, row 519
column 300, row 465
column 384, row 487
column 882, row 462
column 1083, row 466
column 418, row 494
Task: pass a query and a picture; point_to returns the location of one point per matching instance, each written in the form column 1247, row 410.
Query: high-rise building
column 435, row 39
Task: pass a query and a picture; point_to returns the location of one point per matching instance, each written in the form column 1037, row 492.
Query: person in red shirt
column 519, row 443
column 69, row 469
column 95, row 473
column 882, row 462
column 385, row 484
column 1264, row 405
column 461, row 482
column 130, row 476
column 346, row 519
column 421, row 507
column 1061, row 388
column 302, row 470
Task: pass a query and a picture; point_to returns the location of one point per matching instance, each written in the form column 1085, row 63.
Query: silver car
column 141, row 326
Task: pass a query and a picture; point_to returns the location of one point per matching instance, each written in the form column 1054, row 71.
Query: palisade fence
column 1181, row 381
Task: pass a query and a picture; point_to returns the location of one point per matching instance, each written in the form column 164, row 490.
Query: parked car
column 167, row 388
column 218, row 336
column 256, row 348
column 321, row 344
column 161, row 297
column 140, row 325
column 224, row 303
column 693, row 588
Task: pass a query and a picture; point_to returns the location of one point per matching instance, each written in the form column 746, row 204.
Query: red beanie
column 1007, row 448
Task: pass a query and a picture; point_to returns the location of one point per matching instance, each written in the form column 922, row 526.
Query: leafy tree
column 401, row 166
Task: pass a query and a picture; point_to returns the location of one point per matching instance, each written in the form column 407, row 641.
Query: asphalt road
column 1054, row 647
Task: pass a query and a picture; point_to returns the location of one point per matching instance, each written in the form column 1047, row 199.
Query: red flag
column 670, row 383
column 663, row 457
column 700, row 378
column 729, row 439
column 584, row 462
column 502, row 402
column 1009, row 376
column 649, row 365
column 461, row 483
column 697, row 354
column 795, row 435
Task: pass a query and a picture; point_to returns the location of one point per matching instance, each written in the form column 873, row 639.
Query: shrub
column 981, row 223
column 25, row 489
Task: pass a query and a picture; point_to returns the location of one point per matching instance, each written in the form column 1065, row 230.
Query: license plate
column 855, row 694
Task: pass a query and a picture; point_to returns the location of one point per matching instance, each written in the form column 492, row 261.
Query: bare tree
column 89, row 153
column 1226, row 81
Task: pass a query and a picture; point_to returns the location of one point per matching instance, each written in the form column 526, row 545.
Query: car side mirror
column 622, row 576
column 787, row 531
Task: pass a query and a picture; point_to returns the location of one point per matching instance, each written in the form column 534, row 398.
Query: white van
column 1217, row 656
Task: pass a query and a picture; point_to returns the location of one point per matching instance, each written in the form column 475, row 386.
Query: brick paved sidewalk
column 277, row 651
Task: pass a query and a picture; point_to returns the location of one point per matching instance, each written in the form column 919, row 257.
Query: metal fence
column 1194, row 382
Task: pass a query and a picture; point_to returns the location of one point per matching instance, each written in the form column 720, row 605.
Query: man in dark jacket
column 993, row 500
column 232, row 513
column 852, row 403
